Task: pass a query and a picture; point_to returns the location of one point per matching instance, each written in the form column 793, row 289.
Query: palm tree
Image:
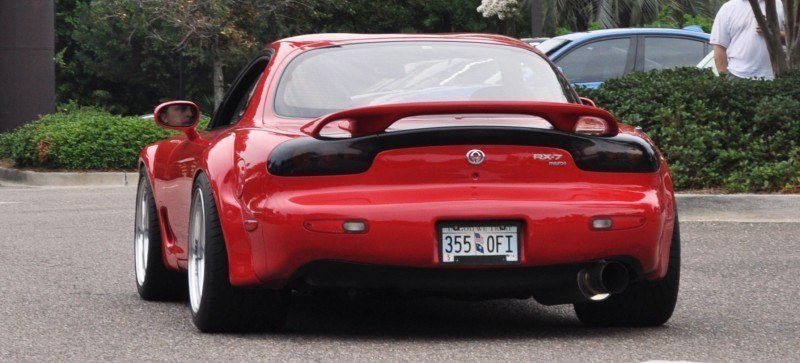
column 580, row 14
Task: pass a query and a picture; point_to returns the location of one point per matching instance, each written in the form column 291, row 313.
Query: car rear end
column 494, row 189
column 425, row 205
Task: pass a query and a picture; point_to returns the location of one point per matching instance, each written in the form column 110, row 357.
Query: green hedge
column 80, row 139
column 715, row 132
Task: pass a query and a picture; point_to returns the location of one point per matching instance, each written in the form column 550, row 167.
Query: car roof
column 326, row 39
column 593, row 34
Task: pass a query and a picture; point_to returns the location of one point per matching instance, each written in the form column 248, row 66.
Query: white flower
column 503, row 9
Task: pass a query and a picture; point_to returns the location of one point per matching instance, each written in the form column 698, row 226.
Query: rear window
column 327, row 80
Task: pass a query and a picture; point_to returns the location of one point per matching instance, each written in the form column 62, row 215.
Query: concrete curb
column 67, row 179
column 739, row 207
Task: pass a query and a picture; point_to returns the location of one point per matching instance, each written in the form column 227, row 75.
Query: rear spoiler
column 376, row 119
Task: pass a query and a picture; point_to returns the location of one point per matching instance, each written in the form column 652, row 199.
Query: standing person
column 740, row 50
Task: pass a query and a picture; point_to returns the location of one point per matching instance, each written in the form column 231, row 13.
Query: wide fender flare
column 219, row 166
column 669, row 213
column 147, row 162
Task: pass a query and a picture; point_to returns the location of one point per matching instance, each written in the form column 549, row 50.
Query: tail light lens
column 591, row 125
column 307, row 156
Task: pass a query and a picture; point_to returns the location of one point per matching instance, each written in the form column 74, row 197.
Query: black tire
column 644, row 303
column 222, row 307
column 159, row 282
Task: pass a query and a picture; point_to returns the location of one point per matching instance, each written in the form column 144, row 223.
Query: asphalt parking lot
column 67, row 293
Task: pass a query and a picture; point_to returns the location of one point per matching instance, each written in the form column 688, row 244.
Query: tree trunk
column 504, row 26
column 791, row 11
column 537, row 18
column 581, row 22
column 550, row 21
column 447, row 22
column 775, row 29
column 218, row 79
column 219, row 86
column 771, row 31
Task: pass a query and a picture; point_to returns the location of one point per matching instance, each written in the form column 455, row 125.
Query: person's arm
column 721, row 39
column 783, row 33
column 721, row 59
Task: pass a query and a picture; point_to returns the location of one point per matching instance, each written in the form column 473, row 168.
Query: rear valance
column 372, row 120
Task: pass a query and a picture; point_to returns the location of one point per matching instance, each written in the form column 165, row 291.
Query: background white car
column 708, row 62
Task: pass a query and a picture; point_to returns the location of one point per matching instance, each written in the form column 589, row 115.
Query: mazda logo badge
column 475, row 156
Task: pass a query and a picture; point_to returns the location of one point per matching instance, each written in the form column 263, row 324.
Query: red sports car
column 455, row 165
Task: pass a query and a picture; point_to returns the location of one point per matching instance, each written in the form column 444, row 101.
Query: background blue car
column 590, row 58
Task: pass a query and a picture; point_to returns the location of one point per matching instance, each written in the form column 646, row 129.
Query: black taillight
column 307, row 156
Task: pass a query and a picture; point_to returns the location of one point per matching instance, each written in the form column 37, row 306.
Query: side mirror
column 588, row 102
column 178, row 115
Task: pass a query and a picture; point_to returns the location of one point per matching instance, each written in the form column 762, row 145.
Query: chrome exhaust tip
column 602, row 280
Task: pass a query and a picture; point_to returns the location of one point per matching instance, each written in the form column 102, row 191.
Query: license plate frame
column 494, row 259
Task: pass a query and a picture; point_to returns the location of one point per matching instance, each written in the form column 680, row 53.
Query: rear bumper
column 549, row 284
column 402, row 233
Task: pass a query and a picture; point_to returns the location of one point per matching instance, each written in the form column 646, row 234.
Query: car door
column 663, row 52
column 184, row 158
column 592, row 63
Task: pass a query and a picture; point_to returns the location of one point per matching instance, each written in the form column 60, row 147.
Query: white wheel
column 141, row 243
column 216, row 305
column 154, row 281
column 197, row 244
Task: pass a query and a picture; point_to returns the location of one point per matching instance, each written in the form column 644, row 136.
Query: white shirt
column 735, row 29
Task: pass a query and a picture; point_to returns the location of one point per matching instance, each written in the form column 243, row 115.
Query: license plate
column 475, row 243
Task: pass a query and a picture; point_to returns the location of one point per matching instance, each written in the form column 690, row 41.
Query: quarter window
column 239, row 96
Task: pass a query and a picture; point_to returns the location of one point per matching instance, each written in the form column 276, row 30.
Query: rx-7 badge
column 552, row 159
